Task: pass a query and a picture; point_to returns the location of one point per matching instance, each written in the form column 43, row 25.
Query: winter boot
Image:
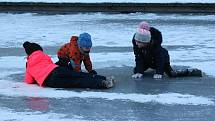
column 189, row 72
column 109, row 82
column 194, row 72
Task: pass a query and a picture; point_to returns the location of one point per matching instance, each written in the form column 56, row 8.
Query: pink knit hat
column 144, row 25
column 142, row 35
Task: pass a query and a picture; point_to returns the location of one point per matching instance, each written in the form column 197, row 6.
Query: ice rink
column 188, row 37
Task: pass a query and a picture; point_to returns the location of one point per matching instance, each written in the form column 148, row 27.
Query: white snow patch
column 17, row 89
column 105, row 29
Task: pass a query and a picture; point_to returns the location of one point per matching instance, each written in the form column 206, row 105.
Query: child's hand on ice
column 137, row 75
column 157, row 76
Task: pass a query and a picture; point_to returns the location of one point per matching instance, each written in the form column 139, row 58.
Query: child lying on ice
column 41, row 70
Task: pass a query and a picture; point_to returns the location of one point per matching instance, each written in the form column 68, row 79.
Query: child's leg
column 182, row 72
column 57, row 80
column 65, row 72
column 169, row 71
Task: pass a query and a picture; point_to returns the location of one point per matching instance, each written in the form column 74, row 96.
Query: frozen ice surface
column 188, row 37
column 113, row 1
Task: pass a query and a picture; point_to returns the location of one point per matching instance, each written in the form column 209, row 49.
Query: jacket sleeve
column 63, row 51
column 135, row 48
column 28, row 78
column 161, row 58
column 138, row 59
column 139, row 64
column 87, row 63
column 156, row 37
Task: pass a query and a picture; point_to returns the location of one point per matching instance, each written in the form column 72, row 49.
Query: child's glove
column 62, row 62
column 93, row 72
column 137, row 75
column 157, row 76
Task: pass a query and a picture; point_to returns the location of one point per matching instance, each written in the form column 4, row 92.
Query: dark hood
column 156, row 37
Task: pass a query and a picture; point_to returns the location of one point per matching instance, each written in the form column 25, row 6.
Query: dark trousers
column 63, row 77
column 168, row 70
column 175, row 73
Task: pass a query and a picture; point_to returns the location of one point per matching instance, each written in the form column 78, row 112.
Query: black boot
column 194, row 72
column 189, row 72
column 182, row 72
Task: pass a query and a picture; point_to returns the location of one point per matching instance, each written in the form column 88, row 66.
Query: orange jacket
column 71, row 50
column 39, row 66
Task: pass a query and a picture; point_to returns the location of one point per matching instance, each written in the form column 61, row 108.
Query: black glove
column 63, row 62
column 93, row 72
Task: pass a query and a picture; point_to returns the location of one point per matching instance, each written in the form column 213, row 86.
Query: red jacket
column 71, row 50
column 39, row 66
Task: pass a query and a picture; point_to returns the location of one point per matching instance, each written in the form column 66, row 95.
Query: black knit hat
column 31, row 47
